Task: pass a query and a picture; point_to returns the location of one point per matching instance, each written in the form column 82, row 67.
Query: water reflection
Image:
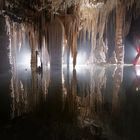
column 99, row 101
column 29, row 88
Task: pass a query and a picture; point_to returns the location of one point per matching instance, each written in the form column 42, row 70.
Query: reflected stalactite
column 98, row 83
column 83, row 95
column 118, row 78
column 86, row 94
column 73, row 93
column 20, row 99
column 80, row 100
column 70, row 102
column 29, row 90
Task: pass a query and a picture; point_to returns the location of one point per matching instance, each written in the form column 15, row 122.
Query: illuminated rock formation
column 34, row 18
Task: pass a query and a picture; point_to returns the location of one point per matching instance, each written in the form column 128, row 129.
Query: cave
column 70, row 69
column 101, row 26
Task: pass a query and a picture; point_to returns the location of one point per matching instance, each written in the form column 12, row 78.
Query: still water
column 87, row 103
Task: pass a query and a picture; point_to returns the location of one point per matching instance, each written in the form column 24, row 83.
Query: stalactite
column 71, row 24
column 33, row 50
column 88, row 16
column 110, row 36
column 120, row 12
column 55, row 42
column 102, row 21
column 100, row 49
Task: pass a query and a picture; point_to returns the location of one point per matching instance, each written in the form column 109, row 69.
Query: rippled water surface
column 87, row 103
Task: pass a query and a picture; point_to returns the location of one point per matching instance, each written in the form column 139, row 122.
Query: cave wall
column 4, row 42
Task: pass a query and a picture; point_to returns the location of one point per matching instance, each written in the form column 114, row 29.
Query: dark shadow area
column 5, row 74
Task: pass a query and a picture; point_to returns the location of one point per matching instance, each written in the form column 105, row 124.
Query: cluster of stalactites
column 51, row 6
column 93, row 19
column 88, row 15
column 86, row 18
column 19, row 35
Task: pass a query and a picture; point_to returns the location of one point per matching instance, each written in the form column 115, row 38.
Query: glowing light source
column 81, row 58
column 137, row 89
column 38, row 61
column 48, row 64
column 25, row 60
column 137, row 68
